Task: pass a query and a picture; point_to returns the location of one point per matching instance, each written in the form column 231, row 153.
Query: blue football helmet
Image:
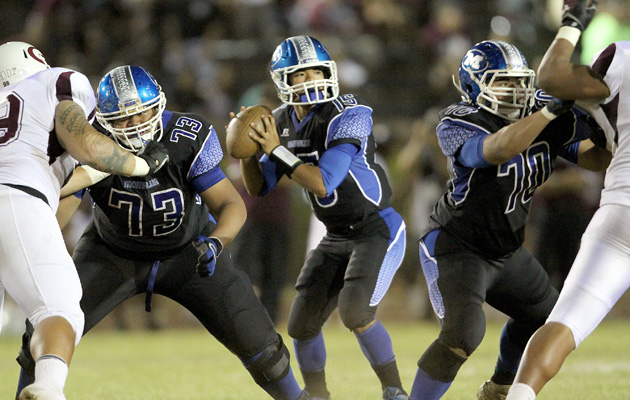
column 126, row 91
column 301, row 52
column 494, row 75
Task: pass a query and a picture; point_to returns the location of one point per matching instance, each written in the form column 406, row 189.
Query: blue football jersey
column 365, row 190
column 157, row 215
column 487, row 207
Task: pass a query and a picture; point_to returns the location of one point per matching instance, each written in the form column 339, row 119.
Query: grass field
column 191, row 365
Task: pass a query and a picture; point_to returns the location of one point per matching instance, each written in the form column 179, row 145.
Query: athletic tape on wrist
column 141, row 168
column 219, row 245
column 569, row 33
column 95, row 175
column 548, row 114
column 285, row 157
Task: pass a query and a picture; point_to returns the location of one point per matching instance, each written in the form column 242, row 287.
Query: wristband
column 569, row 33
column 286, row 158
column 219, row 245
column 548, row 114
column 141, row 168
column 95, row 175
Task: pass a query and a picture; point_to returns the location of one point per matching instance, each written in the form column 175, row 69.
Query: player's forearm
column 513, row 139
column 253, row 178
column 560, row 78
column 555, row 74
column 89, row 146
column 67, row 208
column 230, row 219
column 310, row 178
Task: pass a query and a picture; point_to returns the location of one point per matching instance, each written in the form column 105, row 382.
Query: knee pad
column 440, row 362
column 272, row 365
column 24, row 358
column 303, row 324
column 354, row 312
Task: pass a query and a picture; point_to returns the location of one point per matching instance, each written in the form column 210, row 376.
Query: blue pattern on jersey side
column 208, row 157
column 365, row 177
column 395, row 253
column 452, row 133
column 353, row 123
column 461, row 184
column 431, row 273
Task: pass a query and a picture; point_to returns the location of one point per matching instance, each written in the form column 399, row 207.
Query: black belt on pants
column 28, row 190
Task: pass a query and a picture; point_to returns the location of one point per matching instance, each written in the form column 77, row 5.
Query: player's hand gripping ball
column 237, row 140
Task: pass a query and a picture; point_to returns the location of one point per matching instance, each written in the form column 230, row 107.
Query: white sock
column 521, row 391
column 53, row 369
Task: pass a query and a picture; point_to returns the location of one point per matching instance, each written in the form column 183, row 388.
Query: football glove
column 208, row 249
column 557, row 107
column 155, row 154
column 576, row 14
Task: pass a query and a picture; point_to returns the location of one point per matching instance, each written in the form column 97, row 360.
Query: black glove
column 208, row 249
column 576, row 14
column 155, row 154
column 558, row 107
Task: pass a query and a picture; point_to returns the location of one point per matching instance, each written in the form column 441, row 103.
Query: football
column 237, row 140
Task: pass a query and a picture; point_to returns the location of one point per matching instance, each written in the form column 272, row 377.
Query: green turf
column 189, row 364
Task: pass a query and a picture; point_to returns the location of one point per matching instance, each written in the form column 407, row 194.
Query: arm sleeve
column 335, row 164
column 471, row 153
column 208, row 179
column 271, row 175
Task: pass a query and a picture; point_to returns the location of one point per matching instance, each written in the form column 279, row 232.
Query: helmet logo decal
column 304, row 48
column 125, row 88
column 475, row 61
column 36, row 55
column 277, row 55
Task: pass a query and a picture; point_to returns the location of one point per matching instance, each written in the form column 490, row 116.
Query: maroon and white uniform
column 601, row 270
column 35, row 267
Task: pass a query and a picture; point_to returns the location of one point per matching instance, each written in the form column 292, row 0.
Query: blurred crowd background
column 212, row 56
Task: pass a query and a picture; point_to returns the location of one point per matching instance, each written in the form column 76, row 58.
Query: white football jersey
column 613, row 63
column 30, row 154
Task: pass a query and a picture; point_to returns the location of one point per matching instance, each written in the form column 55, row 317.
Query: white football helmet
column 19, row 60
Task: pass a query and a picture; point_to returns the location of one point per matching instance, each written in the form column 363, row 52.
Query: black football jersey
column 155, row 216
column 365, row 189
column 487, row 207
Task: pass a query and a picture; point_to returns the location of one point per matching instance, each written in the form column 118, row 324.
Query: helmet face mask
column 494, row 75
column 19, row 60
column 123, row 93
column 298, row 53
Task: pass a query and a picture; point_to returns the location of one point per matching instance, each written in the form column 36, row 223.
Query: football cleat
column 492, row 391
column 394, row 393
column 42, row 391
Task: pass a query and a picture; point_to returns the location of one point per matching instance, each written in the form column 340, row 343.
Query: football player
column 600, row 274
column 43, row 125
column 154, row 235
column 323, row 141
column 501, row 141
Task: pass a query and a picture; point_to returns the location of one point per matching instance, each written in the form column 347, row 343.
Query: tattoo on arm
column 99, row 151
